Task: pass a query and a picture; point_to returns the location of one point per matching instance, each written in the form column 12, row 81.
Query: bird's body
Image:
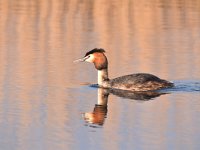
column 132, row 82
column 139, row 82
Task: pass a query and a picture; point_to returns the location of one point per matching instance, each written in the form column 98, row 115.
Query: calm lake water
column 45, row 99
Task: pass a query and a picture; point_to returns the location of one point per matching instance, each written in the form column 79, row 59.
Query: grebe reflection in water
column 97, row 116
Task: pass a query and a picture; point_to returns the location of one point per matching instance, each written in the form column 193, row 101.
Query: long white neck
column 102, row 77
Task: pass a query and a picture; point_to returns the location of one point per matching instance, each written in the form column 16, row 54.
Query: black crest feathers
column 99, row 50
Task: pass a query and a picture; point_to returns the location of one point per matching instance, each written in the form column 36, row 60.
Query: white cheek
column 90, row 59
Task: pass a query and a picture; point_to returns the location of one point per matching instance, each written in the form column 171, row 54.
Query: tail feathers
column 167, row 84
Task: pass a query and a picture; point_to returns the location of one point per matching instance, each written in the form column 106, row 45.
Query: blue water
column 186, row 86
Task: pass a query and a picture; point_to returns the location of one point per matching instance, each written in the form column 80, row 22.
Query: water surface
column 45, row 100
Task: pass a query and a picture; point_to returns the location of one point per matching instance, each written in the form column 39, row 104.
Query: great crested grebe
column 132, row 82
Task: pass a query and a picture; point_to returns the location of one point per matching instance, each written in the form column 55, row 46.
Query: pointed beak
column 80, row 60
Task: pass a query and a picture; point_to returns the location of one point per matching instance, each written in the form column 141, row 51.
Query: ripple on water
column 187, row 86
